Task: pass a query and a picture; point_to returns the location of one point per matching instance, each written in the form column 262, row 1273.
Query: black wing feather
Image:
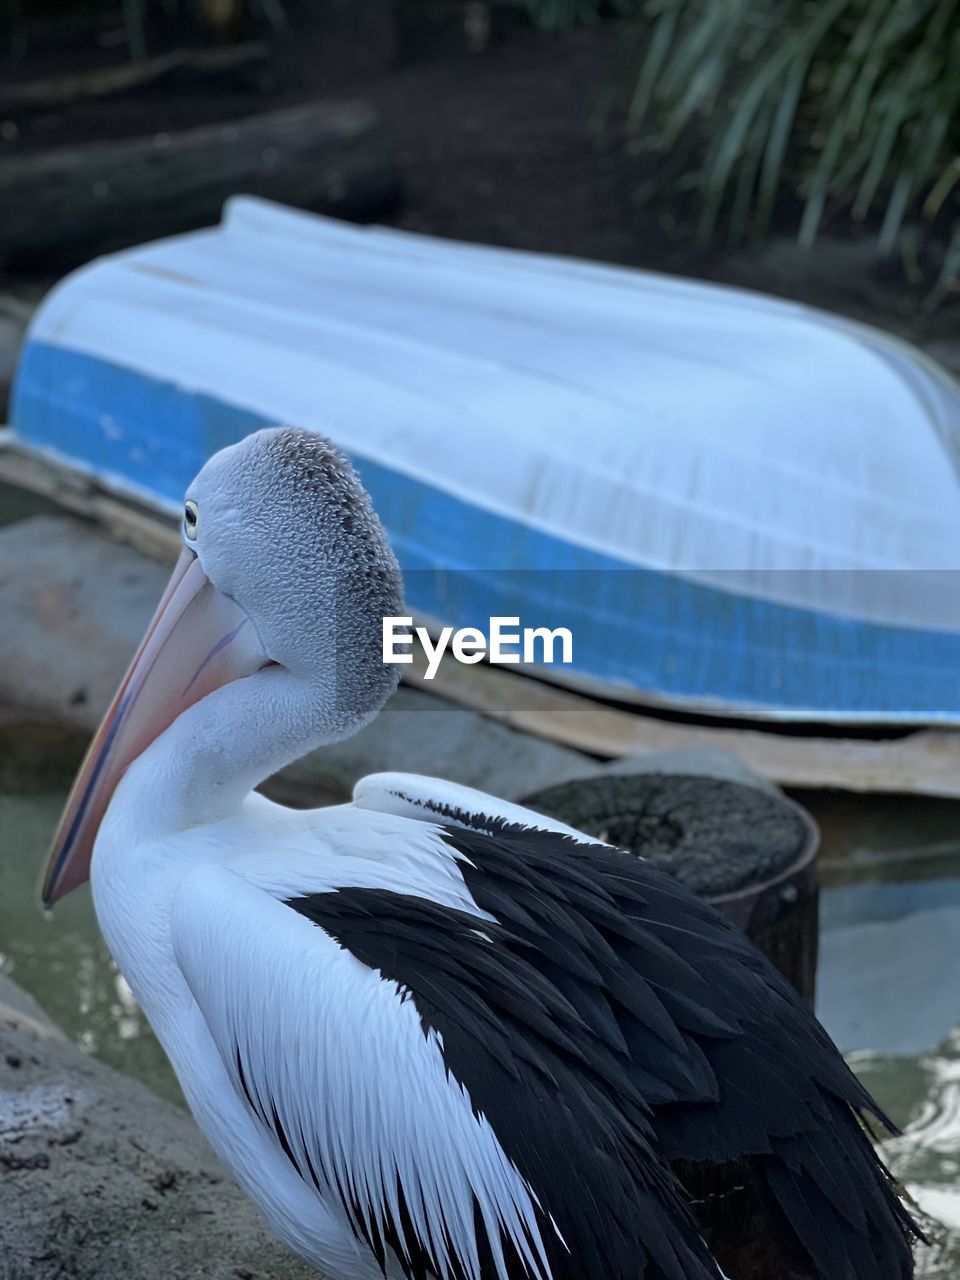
column 743, row 1071
column 566, row 1111
column 610, row 1021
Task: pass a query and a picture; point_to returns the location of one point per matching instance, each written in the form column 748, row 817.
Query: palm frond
column 828, row 107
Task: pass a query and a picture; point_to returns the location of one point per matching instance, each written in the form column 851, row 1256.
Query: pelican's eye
column 191, row 517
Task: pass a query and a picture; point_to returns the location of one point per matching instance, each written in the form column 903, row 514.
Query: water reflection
column 126, row 1013
column 61, row 959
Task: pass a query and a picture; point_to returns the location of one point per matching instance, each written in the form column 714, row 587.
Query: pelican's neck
column 202, row 768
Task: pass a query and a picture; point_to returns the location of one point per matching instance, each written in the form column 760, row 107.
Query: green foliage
column 844, row 105
column 848, row 104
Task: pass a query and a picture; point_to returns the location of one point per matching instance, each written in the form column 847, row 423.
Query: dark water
column 889, row 994
column 60, row 958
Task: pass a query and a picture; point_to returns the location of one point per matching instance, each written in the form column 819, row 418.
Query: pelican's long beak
column 197, row 641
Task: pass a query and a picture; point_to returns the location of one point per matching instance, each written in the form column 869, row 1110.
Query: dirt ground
column 494, row 146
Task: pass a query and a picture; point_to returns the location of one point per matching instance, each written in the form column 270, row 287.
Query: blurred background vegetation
column 811, row 109
column 223, row 19
column 759, row 117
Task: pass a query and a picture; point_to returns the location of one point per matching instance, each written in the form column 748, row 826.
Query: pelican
column 432, row 1034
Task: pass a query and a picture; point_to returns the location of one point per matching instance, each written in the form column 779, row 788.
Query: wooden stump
column 753, row 855
column 60, row 206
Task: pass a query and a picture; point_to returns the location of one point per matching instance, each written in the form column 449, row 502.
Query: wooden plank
column 61, row 205
column 923, row 763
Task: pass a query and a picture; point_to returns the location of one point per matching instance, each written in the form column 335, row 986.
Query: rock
column 18, row 1009
column 101, row 1180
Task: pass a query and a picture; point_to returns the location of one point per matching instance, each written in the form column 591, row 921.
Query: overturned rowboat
column 736, row 505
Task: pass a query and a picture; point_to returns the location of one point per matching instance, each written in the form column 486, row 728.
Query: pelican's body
column 280, row 852
column 432, row 1034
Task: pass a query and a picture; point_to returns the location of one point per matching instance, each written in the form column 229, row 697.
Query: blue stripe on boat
column 642, row 629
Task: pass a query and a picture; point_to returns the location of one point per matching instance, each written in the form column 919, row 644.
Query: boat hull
column 142, row 365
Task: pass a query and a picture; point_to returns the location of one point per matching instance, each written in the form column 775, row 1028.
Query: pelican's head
column 281, row 525
column 284, row 563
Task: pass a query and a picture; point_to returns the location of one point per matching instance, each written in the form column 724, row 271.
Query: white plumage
column 333, row 1046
